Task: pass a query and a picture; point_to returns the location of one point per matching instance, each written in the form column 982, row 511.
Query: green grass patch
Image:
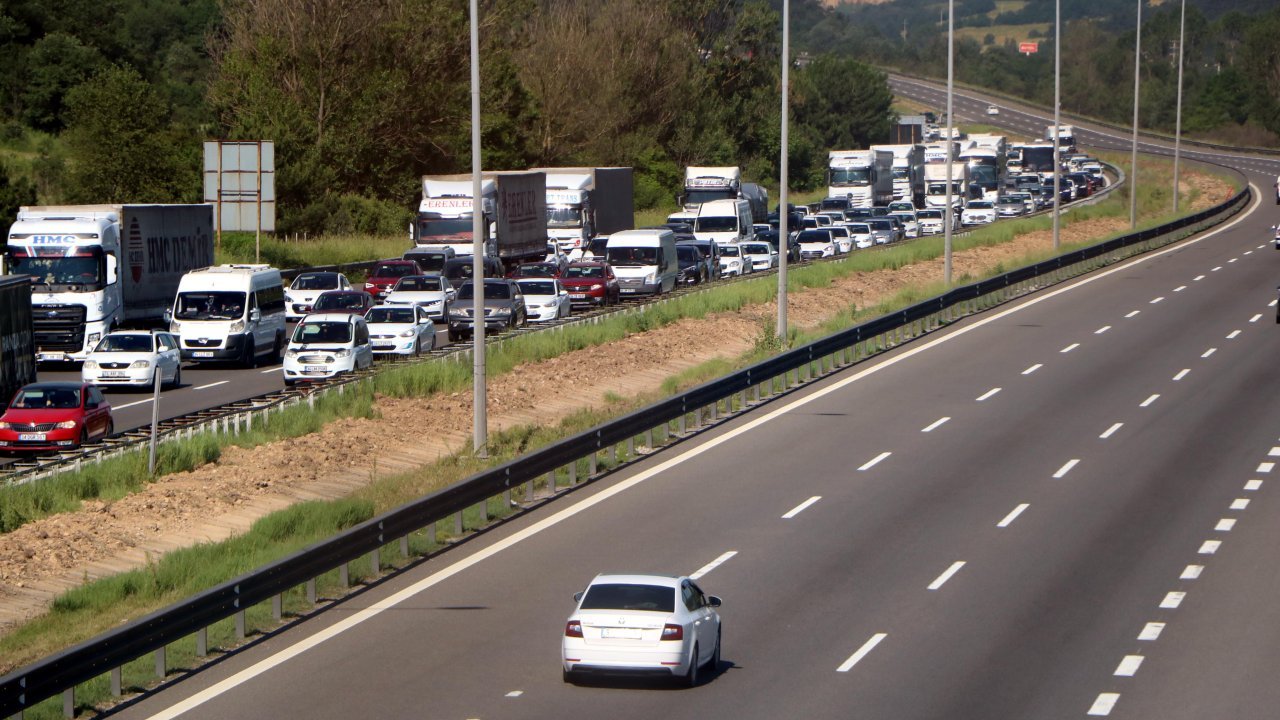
column 277, row 251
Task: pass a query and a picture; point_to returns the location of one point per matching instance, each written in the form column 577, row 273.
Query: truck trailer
column 583, row 202
column 908, row 171
column 513, row 206
column 17, row 337
column 863, row 176
column 95, row 268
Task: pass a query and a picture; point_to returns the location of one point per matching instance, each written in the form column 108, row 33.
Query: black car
column 503, row 308
column 693, row 265
column 793, row 246
column 711, row 251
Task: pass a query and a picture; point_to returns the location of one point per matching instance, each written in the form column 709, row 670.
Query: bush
column 348, row 215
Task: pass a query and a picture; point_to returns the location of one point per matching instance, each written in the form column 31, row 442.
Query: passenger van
column 230, row 312
column 644, row 261
column 725, row 221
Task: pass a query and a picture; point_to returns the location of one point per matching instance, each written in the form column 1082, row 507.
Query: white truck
column 1066, row 137
column 985, row 157
column 704, row 184
column 908, row 171
column 865, row 177
column 96, row 268
column 935, row 192
column 513, row 204
column 583, row 202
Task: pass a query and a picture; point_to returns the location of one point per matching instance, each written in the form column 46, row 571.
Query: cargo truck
column 908, row 171
column 17, row 338
column 962, row 189
column 96, row 268
column 583, row 202
column 513, row 206
column 985, row 157
column 863, row 176
column 704, row 184
column 1066, row 137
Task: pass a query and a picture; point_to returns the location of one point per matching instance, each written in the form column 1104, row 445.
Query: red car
column 385, row 274
column 590, row 283
column 54, row 416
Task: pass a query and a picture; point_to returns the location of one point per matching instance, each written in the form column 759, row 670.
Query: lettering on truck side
column 177, row 254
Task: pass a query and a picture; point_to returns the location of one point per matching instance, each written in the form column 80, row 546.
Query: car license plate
column 313, row 369
column 622, row 633
column 384, row 345
column 202, row 353
column 31, row 436
column 51, row 357
column 113, row 373
column 628, row 290
column 582, row 296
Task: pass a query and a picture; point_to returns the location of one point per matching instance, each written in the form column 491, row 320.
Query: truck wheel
column 249, row 356
column 276, row 349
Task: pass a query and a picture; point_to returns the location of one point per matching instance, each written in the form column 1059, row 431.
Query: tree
column 55, row 64
column 14, row 193
column 846, row 103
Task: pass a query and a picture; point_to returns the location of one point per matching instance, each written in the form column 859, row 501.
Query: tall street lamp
column 784, row 244
column 1133, row 161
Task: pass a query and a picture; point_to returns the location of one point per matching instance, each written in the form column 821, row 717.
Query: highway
column 1065, row 507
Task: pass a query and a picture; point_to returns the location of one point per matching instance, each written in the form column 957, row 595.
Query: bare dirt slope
column 45, row 558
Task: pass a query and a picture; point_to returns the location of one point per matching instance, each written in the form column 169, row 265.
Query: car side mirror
column 713, row 601
column 255, row 315
column 577, row 597
column 168, row 315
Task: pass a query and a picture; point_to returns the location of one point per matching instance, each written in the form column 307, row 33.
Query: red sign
column 1028, row 47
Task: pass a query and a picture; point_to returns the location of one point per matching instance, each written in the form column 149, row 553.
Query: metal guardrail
column 107, row 653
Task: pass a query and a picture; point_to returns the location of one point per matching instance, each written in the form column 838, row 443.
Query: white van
column 327, row 344
column 644, row 260
column 230, row 312
column 725, row 221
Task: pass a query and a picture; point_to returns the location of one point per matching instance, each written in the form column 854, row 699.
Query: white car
column 861, row 234
column 430, row 292
column 993, row 110
column 978, row 212
column 1027, row 201
column 931, row 221
column 843, row 240
column 132, row 358
column 327, row 344
column 306, row 287
column 732, row 261
column 545, row 299
column 898, row 206
column 642, row 624
column 761, row 255
column 910, row 225
column 815, row 244
column 400, row 329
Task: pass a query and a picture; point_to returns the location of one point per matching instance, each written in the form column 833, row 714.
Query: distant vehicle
column 993, row 110
column 816, row 244
column 54, row 416
column 343, row 301
column 642, row 624
column 1027, row 201
column 901, row 206
column 793, row 247
column 537, row 270
column 731, row 260
column 327, row 344
column 545, row 299
column 644, row 260
column 385, row 274
column 432, row 293
column 230, row 312
column 693, row 265
column 133, row 358
column 400, row 329
column 883, row 231
column 306, row 287
column 458, row 270
column 844, row 241
column 761, row 255
column 1010, row 207
column 978, row 212
column 430, row 259
column 861, row 234
column 710, row 250
column 504, row 308
column 932, row 221
column 590, row 283
column 910, row 225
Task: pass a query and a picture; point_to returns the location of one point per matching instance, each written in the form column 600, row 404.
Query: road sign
column 1028, row 47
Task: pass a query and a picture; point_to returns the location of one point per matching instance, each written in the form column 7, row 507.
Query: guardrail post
column 648, row 438
column 202, row 642
column 591, row 468
column 755, row 392
column 404, row 546
column 375, row 563
column 613, row 454
column 162, row 668
column 457, row 523
column 344, row 572
column 117, row 687
column 483, row 507
column 682, row 423
column 573, row 473
column 631, row 446
column 311, row 591
column 69, row 702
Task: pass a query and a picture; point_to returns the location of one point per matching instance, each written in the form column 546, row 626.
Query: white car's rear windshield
column 618, row 596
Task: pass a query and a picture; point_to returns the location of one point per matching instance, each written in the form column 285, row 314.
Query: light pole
column 1133, row 161
column 1057, row 123
column 784, row 242
column 951, row 145
column 1177, row 132
column 479, row 394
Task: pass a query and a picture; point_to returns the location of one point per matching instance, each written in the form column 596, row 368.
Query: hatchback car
column 861, row 234
column 306, row 287
column 732, row 261
column 327, row 344
column 386, row 273
column 761, row 255
column 343, row 301
column 993, row 110
column 842, row 238
column 133, row 358
column 400, row 329
column 430, row 292
column 545, row 299
column 591, row 284
column 642, row 624
column 47, row 416
column 1010, row 207
column 503, row 308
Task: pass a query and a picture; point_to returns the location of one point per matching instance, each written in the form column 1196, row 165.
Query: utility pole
column 1057, row 123
column 479, row 390
column 1177, row 132
column 1133, row 162
column 949, row 212
column 784, row 214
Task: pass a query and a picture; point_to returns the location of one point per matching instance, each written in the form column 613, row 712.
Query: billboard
column 240, row 180
column 1027, row 48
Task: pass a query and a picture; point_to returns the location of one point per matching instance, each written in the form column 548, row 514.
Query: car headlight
column 292, row 352
column 6, row 426
column 237, row 326
column 90, row 365
column 344, row 352
column 432, row 303
column 651, row 278
column 502, row 311
column 92, row 339
column 66, row 425
column 140, row 364
column 406, row 333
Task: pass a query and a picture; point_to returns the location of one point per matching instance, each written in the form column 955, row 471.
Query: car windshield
column 688, row 253
column 339, row 301
column 538, row 287
column 729, row 251
column 495, row 291
column 814, row 236
column 859, row 228
column 564, row 216
column 428, row 262
column 757, row 249
column 389, row 314
column 881, row 224
column 418, row 284
column 850, row 176
column 45, row 397
column 717, row 223
column 126, row 343
column 979, row 205
column 216, row 305
column 322, row 332
column 592, row 271
column 622, row 256
column 929, row 214
column 620, row 596
column 536, row 270
column 316, row 281
column 393, row 271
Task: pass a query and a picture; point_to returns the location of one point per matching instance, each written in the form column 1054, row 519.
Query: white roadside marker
column 862, row 652
column 988, row 394
column 1225, row 525
column 1274, row 451
column 1032, row 369
column 1102, row 329
column 1191, row 572
column 1151, row 632
column 1135, row 312
column 1105, row 703
column 1255, row 318
column 874, row 461
column 1013, row 515
column 1066, row 468
column 1209, row 352
column 1249, row 252
column 1148, row 401
column 935, row 424
column 946, row 575
column 1240, row 504
column 1173, row 599
column 1198, row 278
column 1253, row 485
column 1070, row 347
column 1233, row 335
column 1216, row 269
column 713, row 565
column 801, row 507
column 1181, row 374
column 1209, row 547
column 1111, row 431
column 1128, row 667
column 1233, row 260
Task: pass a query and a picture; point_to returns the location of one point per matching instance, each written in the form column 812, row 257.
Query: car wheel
column 84, row 437
column 289, row 383
column 453, row 336
column 691, row 677
column 417, row 347
column 715, row 656
column 177, row 377
column 111, row 429
column 276, row 349
column 568, row 676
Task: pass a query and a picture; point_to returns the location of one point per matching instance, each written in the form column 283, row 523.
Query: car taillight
column 573, row 628
column 672, row 632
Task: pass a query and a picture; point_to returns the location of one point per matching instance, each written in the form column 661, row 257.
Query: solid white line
column 1233, row 335
column 1128, row 667
column 129, row 405
column 1209, row 352
column 1255, row 318
column 1066, row 468
column 987, row 394
column 1151, row 631
column 946, row 575
column 867, row 647
column 306, row 644
column 713, row 565
column 272, row 370
column 1198, row 278
column 1110, row 431
column 1225, row 525
column 1182, row 373
column 874, row 461
column 1105, row 703
column 935, row 424
column 1265, row 467
column 1180, row 288
column 1135, row 312
column 1013, row 515
column 1209, row 547
column 1191, row 572
column 1157, row 300
column 1032, row 369
column 1070, row 347
column 1173, row 599
column 206, row 387
column 1148, row 401
column 1253, row 485
column 801, row 507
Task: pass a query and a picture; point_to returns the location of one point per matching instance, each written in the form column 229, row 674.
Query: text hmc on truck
column 95, row 268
